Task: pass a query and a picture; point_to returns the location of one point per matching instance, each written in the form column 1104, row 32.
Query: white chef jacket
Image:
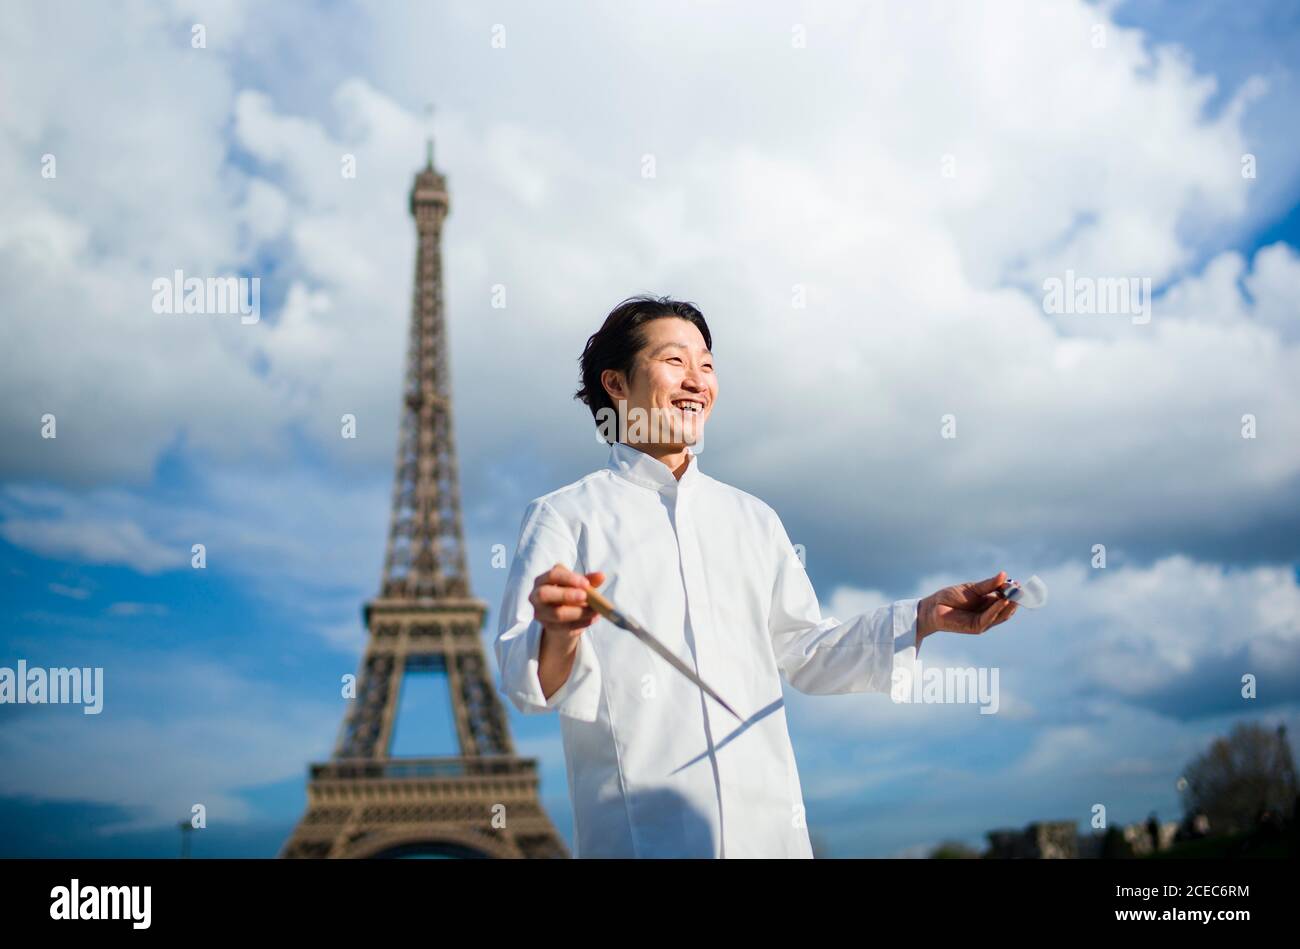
column 655, row 767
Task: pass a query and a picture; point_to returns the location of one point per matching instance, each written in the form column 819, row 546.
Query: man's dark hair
column 621, row 337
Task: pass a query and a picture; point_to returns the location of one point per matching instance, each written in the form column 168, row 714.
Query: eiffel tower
column 485, row 803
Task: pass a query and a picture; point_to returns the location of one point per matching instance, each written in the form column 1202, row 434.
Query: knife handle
column 600, row 604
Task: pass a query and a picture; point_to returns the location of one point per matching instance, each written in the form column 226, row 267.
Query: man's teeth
column 686, row 406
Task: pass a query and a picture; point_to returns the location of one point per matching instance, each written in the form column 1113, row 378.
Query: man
column 656, row 768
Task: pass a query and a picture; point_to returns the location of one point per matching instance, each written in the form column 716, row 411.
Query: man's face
column 672, row 369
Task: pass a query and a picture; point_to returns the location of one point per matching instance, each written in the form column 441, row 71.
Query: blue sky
column 775, row 166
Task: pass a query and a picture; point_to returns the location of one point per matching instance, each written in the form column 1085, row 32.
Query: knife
column 608, row 610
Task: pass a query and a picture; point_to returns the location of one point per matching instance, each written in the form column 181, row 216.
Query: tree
column 1242, row 779
column 1114, row 846
column 953, row 850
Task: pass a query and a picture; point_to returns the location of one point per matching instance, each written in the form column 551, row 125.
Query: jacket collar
column 648, row 471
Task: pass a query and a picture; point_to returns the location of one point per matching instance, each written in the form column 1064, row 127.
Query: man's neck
column 675, row 457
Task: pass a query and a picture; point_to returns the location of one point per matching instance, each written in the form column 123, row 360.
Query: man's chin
column 670, row 434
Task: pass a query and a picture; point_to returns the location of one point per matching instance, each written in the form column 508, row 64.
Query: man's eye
column 674, row 358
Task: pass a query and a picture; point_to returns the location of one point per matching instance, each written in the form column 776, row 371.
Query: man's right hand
column 559, row 601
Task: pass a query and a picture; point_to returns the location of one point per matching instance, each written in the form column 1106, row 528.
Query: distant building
column 1042, row 840
column 1138, row 837
column 1130, row 840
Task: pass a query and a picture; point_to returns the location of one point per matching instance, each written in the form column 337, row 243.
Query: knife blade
column 607, row 609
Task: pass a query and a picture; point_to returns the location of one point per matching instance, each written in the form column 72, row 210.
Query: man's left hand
column 964, row 608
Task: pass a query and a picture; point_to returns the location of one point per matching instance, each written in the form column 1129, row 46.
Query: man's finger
column 985, row 619
column 561, row 615
column 553, row 575
column 970, row 596
column 961, row 597
column 561, row 575
column 550, row 593
column 991, row 584
column 572, row 578
column 1008, row 611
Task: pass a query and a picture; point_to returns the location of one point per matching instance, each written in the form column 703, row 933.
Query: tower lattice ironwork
column 364, row 803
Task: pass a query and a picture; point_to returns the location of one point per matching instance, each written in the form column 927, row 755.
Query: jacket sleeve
column 821, row 655
column 544, row 541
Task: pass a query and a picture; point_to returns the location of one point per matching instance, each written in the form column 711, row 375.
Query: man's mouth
column 689, row 405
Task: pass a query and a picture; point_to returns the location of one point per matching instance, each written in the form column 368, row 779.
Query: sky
column 866, row 201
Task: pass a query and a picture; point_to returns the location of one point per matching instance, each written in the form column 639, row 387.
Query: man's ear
column 614, row 383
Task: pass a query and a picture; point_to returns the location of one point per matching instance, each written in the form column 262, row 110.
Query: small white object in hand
column 1031, row 594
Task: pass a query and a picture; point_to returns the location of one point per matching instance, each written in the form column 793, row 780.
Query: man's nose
column 694, row 380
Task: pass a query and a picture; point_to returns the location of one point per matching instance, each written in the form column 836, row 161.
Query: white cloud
column 1125, row 633
column 127, row 608
column 297, row 540
column 83, row 533
column 222, row 733
column 74, row 593
column 896, row 258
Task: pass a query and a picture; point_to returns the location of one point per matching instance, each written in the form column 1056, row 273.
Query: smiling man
column 656, row 768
